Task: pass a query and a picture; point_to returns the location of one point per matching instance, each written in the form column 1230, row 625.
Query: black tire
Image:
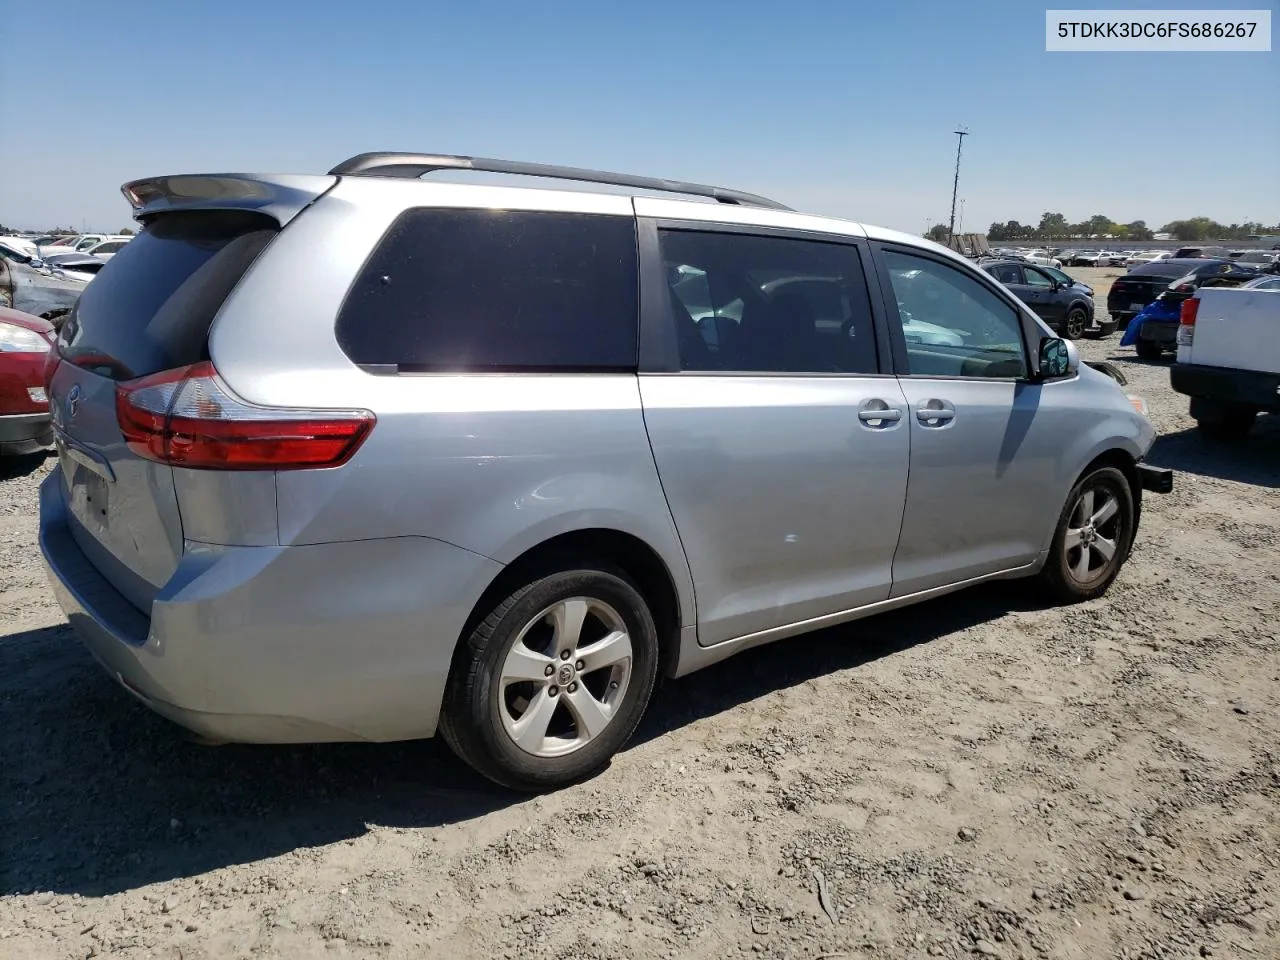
column 1075, row 323
column 1234, row 424
column 1149, row 349
column 1122, row 320
column 470, row 720
column 1058, row 577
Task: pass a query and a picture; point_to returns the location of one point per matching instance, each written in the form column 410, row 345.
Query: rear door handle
column 935, row 413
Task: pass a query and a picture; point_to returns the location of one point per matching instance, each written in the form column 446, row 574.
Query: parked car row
column 35, row 287
column 101, row 245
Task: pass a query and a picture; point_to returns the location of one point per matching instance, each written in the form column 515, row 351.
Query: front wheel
column 553, row 681
column 1229, row 423
column 1076, row 321
column 1092, row 541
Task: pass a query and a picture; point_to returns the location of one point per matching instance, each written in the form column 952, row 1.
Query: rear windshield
column 1163, row 268
column 151, row 306
column 485, row 290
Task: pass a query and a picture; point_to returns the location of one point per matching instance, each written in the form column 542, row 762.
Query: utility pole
column 961, row 133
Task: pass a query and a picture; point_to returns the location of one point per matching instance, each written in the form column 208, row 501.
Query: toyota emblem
column 73, row 401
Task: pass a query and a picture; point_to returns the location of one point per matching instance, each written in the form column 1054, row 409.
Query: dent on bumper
column 345, row 641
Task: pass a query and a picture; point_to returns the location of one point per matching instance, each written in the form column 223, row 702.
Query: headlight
column 1139, row 404
column 16, row 339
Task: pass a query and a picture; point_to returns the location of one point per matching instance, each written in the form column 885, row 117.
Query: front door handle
column 935, row 413
column 878, row 413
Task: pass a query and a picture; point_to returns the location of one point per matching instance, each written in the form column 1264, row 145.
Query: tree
column 126, row 232
column 1197, row 228
column 938, row 233
column 1010, row 230
column 1099, row 226
column 1137, row 230
column 1052, row 225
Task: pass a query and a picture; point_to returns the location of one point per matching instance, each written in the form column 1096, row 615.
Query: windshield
column 152, row 309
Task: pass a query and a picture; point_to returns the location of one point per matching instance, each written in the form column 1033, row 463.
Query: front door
column 984, row 441
column 1042, row 295
column 781, row 446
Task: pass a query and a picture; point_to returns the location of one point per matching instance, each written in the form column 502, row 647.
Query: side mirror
column 1056, row 359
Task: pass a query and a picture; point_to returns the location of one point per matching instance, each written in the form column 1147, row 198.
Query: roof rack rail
column 414, row 165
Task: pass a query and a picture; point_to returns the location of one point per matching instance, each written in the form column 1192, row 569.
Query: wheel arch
column 629, row 553
column 1082, row 304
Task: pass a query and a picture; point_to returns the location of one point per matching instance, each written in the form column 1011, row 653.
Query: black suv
column 1062, row 302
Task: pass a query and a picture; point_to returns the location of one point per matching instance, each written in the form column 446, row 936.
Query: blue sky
column 832, row 106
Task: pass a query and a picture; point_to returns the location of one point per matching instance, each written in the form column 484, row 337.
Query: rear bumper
column 1159, row 331
column 1226, row 384
column 345, row 641
column 25, row 432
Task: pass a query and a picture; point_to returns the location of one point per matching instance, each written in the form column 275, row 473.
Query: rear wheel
column 1232, row 421
column 1074, row 325
column 1149, row 349
column 1095, row 532
column 553, row 681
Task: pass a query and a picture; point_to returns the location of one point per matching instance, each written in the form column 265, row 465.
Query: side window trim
column 1030, row 331
column 659, row 353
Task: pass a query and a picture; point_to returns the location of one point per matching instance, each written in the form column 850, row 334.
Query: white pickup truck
column 1229, row 356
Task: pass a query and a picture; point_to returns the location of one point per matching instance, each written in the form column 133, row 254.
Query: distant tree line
column 1054, row 226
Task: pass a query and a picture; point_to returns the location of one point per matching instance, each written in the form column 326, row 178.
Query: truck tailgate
column 1235, row 328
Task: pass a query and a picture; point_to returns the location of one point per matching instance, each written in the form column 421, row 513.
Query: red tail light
column 51, row 361
column 1190, row 308
column 189, row 418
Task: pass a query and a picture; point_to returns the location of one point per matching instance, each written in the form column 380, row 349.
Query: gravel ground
column 979, row 775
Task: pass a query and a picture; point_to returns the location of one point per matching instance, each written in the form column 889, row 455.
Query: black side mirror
column 1055, row 358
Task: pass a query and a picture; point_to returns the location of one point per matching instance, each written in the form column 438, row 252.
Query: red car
column 25, row 342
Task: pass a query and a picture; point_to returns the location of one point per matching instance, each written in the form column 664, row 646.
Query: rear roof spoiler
column 279, row 196
column 414, row 165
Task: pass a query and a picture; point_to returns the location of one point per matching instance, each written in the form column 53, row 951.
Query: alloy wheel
column 565, row 676
column 1075, row 324
column 1093, row 534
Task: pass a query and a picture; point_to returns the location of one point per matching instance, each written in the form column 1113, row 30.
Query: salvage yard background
column 977, row 775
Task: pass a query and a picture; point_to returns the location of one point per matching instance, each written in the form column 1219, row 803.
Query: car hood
column 26, row 320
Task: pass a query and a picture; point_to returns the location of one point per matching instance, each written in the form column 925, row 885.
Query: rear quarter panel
column 492, row 463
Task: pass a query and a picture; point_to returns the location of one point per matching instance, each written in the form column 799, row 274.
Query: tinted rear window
column 151, row 306
column 459, row 290
column 1165, row 268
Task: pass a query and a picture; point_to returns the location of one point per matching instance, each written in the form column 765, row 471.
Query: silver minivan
column 368, row 456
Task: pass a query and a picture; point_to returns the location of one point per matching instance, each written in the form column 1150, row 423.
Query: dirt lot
column 976, row 776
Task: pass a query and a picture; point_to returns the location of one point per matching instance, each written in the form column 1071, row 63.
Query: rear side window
column 767, row 304
column 151, row 307
column 482, row 290
column 1006, row 273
